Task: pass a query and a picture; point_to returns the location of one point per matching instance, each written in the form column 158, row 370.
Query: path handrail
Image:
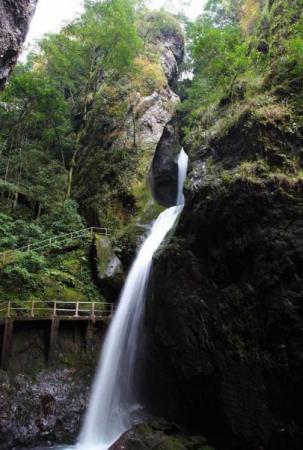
column 46, row 243
column 57, row 308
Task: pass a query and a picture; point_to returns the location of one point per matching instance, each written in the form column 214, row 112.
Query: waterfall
column 114, row 395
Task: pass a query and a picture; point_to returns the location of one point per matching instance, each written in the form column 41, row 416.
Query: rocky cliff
column 14, row 21
column 225, row 318
column 111, row 176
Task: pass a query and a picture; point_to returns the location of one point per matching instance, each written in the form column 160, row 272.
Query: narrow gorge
column 193, row 300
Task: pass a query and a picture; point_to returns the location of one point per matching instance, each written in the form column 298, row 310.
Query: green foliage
column 294, row 46
column 103, row 39
column 33, row 127
column 64, row 218
column 7, row 239
column 153, row 24
column 38, row 111
column 22, row 274
column 25, row 232
column 75, row 97
column 220, row 56
column 237, row 47
column 223, row 13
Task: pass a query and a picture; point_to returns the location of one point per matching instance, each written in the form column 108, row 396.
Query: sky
column 51, row 15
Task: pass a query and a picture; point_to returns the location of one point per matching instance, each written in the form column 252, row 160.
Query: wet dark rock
column 15, row 16
column 46, row 411
column 172, row 50
column 226, row 318
column 43, row 404
column 164, row 169
column 159, row 436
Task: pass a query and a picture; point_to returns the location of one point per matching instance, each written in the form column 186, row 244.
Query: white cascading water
column 113, row 395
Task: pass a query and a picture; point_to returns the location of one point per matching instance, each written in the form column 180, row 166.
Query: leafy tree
column 220, row 55
column 63, row 218
column 223, row 12
column 104, row 39
column 35, row 127
column 152, row 24
column 294, row 46
column 7, row 239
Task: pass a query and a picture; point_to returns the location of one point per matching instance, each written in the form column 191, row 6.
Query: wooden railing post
column 55, row 309
column 92, row 233
column 8, row 309
column 32, row 309
column 53, row 340
column 77, row 310
column 7, row 343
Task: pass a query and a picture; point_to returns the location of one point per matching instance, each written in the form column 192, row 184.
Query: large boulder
column 163, row 173
column 159, row 435
column 108, row 268
column 15, row 16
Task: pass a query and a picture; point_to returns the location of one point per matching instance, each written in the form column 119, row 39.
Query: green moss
column 66, row 277
column 164, row 435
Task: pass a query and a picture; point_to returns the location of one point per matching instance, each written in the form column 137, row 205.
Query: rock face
column 136, row 137
column 43, row 404
column 164, row 169
column 108, row 268
column 48, row 410
column 172, row 50
column 153, row 113
column 161, row 436
column 14, row 21
column 225, row 319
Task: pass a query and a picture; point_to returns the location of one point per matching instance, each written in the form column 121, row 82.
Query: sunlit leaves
column 220, row 55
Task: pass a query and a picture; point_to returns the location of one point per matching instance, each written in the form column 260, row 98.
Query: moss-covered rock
column 160, row 435
column 108, row 268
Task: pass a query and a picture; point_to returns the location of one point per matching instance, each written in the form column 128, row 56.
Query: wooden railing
column 57, row 241
column 56, row 309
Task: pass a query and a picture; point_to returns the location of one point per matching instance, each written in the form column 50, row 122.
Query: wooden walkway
column 38, row 310
column 54, row 242
column 54, row 312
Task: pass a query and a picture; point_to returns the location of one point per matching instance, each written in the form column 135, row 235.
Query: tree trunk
column 15, row 202
column 72, row 168
column 38, row 210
